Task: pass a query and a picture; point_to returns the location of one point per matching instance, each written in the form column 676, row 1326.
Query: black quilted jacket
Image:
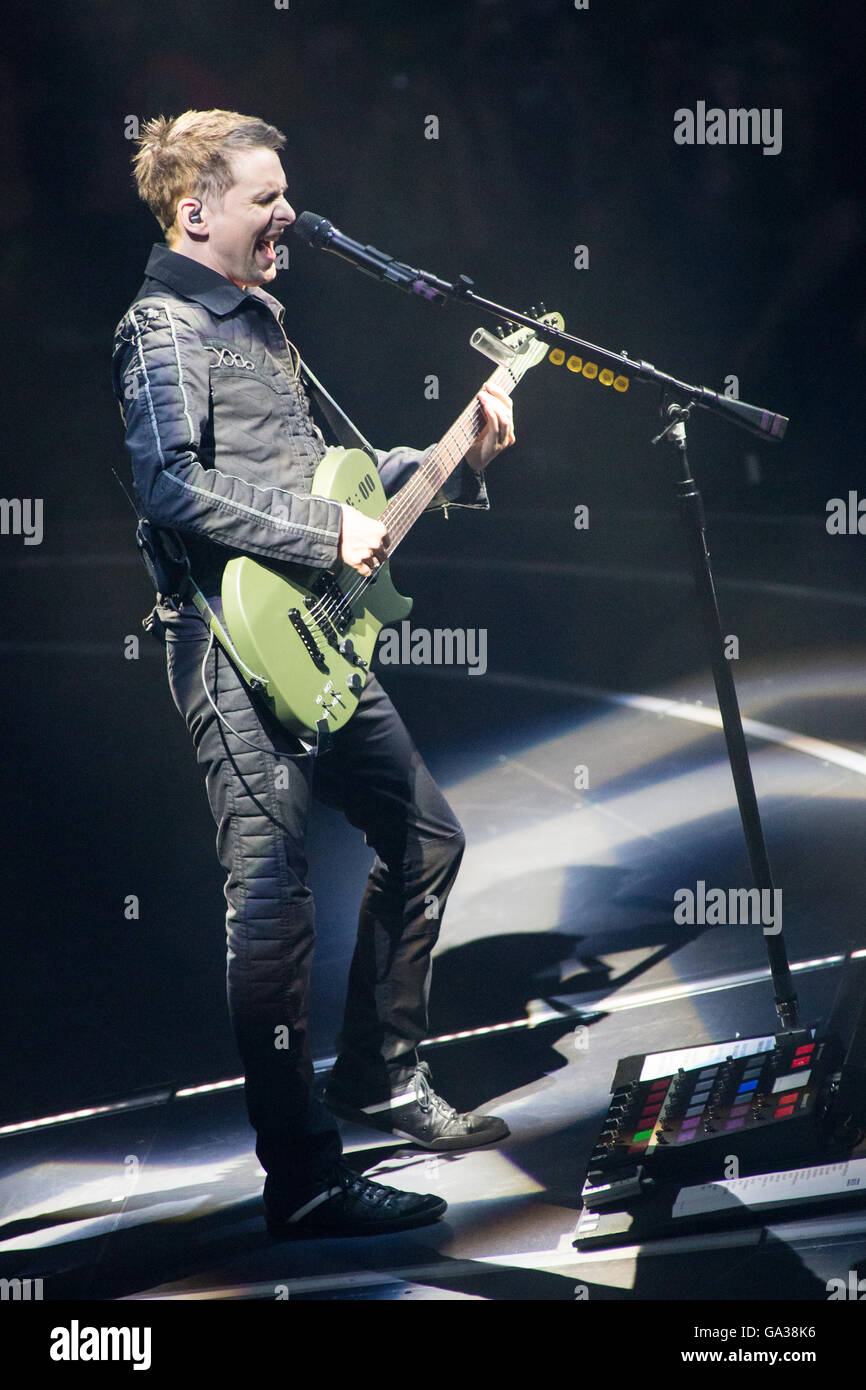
column 218, row 424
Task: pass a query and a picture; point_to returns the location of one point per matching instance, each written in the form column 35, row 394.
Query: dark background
column 555, row 129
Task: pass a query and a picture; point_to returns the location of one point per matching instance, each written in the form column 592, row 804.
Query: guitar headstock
column 521, row 348
column 525, row 341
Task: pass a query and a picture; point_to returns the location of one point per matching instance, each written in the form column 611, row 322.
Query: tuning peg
column 533, row 313
column 541, row 308
column 500, row 330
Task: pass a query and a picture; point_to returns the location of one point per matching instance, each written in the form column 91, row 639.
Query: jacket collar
column 207, row 287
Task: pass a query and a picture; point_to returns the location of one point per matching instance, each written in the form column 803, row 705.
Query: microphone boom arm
column 319, row 232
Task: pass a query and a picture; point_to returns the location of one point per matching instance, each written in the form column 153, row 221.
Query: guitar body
column 307, row 636
column 300, row 629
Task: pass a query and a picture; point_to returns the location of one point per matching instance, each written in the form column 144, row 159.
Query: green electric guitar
column 309, row 635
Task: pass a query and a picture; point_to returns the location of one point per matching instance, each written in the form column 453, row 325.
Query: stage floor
column 587, row 806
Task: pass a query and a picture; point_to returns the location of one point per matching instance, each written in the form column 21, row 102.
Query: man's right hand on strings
column 363, row 541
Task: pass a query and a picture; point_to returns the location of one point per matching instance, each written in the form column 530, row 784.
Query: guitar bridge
column 296, row 618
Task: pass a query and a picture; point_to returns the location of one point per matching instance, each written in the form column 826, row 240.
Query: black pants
column 260, row 802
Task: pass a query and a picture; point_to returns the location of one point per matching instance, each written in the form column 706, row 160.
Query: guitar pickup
column 322, row 620
column 331, row 601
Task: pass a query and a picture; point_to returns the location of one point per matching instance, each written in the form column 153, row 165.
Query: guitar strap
column 348, row 434
column 165, row 558
column 162, row 549
column 167, row 562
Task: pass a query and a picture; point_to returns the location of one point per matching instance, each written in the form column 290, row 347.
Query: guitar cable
column 308, row 753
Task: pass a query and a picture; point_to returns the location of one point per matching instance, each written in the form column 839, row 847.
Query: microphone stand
column 318, row 232
column 764, row 423
column 691, row 509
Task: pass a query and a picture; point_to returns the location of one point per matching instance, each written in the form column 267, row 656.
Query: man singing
column 223, row 452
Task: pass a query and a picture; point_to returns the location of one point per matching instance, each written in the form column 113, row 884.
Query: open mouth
column 268, row 249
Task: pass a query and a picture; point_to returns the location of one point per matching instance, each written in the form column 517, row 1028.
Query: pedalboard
column 734, row 1113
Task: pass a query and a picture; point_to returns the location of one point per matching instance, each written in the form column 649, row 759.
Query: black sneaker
column 418, row 1114
column 348, row 1204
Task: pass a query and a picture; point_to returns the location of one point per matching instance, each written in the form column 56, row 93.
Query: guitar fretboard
column 415, row 496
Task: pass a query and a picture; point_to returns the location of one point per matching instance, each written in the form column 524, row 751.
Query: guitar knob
column 347, row 648
column 355, row 682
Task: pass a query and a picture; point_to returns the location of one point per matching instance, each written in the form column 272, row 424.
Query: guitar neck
column 414, row 497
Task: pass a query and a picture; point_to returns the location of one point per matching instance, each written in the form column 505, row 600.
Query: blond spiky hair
column 190, row 156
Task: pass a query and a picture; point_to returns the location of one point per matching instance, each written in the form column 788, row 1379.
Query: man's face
column 254, row 213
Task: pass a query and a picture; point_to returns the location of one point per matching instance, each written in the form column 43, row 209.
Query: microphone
column 318, row 231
